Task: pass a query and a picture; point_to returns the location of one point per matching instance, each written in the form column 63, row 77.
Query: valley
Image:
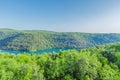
column 47, row 55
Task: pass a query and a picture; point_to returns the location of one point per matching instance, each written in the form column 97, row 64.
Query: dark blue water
column 57, row 50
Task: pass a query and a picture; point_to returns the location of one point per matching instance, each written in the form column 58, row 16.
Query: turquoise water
column 57, row 50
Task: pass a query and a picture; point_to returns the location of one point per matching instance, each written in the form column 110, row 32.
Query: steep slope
column 32, row 40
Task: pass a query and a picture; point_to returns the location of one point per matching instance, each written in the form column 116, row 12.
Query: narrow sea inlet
column 57, row 50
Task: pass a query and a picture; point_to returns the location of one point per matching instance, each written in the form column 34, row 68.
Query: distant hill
column 32, row 40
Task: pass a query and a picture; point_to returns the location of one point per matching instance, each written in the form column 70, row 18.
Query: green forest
column 33, row 40
column 59, row 39
column 95, row 63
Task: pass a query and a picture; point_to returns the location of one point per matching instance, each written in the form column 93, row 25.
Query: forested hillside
column 96, row 63
column 33, row 40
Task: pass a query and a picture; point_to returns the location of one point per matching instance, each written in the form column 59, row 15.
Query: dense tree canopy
column 96, row 63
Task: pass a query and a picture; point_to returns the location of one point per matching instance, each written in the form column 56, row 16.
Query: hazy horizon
column 89, row 16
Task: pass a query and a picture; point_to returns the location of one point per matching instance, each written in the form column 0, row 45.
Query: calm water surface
column 36, row 52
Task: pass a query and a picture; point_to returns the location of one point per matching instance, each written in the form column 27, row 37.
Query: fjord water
column 57, row 50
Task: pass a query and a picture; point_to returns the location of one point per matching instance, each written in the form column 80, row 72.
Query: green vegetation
column 33, row 40
column 96, row 63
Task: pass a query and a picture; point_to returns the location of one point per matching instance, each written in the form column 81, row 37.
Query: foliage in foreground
column 97, row 63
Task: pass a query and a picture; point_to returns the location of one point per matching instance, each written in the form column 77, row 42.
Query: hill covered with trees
column 96, row 63
column 33, row 40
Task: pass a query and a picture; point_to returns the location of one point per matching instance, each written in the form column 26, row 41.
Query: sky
column 91, row 16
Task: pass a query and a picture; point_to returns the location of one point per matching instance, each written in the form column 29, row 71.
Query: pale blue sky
column 61, row 15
